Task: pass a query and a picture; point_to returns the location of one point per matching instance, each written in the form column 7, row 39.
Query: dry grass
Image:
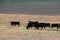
column 8, row 32
column 20, row 33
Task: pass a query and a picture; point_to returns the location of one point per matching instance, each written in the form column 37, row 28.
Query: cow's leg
column 15, row 24
column 44, row 27
column 57, row 27
column 11, row 24
column 41, row 28
column 48, row 26
column 37, row 27
column 31, row 27
column 18, row 24
column 51, row 26
column 27, row 27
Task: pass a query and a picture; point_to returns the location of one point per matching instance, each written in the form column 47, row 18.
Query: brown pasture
column 8, row 32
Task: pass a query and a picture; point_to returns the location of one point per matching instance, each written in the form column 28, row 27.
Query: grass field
column 21, row 33
column 8, row 32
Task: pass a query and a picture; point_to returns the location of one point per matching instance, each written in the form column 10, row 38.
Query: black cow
column 31, row 24
column 54, row 25
column 42, row 25
column 14, row 23
column 47, row 25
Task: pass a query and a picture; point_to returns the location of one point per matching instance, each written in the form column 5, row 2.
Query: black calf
column 15, row 23
column 54, row 25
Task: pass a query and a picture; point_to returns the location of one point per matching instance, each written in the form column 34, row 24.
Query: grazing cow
column 31, row 24
column 42, row 25
column 15, row 23
column 37, row 25
column 54, row 25
column 47, row 25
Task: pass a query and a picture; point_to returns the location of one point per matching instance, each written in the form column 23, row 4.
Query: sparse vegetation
column 8, row 32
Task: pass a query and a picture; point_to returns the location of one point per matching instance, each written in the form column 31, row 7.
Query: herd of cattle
column 37, row 25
